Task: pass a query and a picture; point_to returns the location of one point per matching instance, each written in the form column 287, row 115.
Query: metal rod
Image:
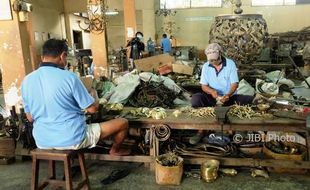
column 294, row 64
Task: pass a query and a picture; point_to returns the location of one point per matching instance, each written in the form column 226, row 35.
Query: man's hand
column 94, row 94
column 214, row 94
column 225, row 98
column 95, row 106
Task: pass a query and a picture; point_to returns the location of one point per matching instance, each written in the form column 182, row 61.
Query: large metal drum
column 241, row 36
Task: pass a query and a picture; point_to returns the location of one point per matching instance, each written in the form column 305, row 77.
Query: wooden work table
column 186, row 122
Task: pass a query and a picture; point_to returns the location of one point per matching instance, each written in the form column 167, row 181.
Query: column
column 129, row 19
column 99, row 50
column 15, row 56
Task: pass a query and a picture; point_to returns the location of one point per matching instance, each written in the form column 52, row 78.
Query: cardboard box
column 165, row 69
column 87, row 81
column 183, row 69
column 154, row 63
column 7, row 147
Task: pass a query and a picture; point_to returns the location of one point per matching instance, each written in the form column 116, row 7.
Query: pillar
column 15, row 56
column 99, row 51
column 129, row 19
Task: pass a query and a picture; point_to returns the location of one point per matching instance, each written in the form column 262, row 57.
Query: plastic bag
column 245, row 88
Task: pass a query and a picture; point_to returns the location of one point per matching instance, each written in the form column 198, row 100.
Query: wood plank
column 274, row 127
column 7, row 147
column 184, row 121
column 107, row 157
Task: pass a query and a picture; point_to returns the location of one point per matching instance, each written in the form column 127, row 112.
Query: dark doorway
column 78, row 39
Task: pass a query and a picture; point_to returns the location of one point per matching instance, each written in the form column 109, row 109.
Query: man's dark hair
column 139, row 33
column 54, row 47
column 164, row 35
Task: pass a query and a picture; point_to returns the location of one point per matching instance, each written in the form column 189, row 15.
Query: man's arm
column 209, row 90
column 29, row 117
column 232, row 90
column 233, row 78
column 93, row 108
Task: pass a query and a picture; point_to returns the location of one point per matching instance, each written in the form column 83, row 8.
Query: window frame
column 162, row 5
column 284, row 3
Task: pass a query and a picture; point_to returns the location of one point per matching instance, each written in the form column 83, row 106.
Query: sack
column 245, row 88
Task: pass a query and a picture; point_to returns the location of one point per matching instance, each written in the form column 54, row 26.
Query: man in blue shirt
column 54, row 99
column 151, row 47
column 219, row 82
column 165, row 44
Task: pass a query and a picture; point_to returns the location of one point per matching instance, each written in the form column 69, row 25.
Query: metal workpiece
column 241, row 36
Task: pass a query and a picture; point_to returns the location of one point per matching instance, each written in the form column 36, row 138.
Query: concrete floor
column 17, row 176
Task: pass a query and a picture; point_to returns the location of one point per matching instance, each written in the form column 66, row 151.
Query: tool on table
column 220, row 112
column 296, row 67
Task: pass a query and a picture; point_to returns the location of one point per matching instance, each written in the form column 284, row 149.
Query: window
column 273, row 2
column 175, row 4
column 302, row 1
column 181, row 4
column 206, row 3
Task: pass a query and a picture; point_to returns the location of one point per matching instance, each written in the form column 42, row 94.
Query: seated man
column 54, row 99
column 219, row 82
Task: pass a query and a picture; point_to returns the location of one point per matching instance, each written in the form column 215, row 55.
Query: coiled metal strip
column 162, row 132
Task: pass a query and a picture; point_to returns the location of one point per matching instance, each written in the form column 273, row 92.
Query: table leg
column 308, row 144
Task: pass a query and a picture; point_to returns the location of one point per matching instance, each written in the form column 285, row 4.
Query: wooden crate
column 7, row 147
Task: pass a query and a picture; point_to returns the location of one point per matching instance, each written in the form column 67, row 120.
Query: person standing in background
column 306, row 58
column 173, row 41
column 165, row 44
column 151, row 47
column 137, row 46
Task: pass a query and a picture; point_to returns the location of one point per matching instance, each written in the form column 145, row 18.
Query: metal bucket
column 209, row 170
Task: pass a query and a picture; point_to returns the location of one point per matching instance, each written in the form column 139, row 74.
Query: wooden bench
column 58, row 155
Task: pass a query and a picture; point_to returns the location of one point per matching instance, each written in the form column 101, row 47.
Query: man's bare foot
column 120, row 152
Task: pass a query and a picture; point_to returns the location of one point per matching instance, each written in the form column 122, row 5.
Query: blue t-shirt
column 150, row 46
column 55, row 99
column 222, row 80
column 166, row 45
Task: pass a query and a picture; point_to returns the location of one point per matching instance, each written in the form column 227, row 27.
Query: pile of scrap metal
column 276, row 88
column 238, row 144
column 17, row 127
column 289, row 44
column 152, row 94
column 140, row 90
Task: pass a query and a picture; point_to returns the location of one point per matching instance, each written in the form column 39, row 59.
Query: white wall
column 47, row 20
column 194, row 24
column 75, row 26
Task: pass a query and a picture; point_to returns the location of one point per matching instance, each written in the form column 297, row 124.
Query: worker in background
column 219, row 83
column 306, row 58
column 151, row 47
column 55, row 100
column 136, row 47
column 165, row 44
column 173, row 41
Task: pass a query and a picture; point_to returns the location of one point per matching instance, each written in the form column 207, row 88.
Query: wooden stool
column 58, row 155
